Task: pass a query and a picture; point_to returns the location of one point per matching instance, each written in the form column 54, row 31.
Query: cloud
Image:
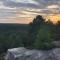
column 30, row 3
column 2, row 6
column 20, row 3
column 52, row 6
column 5, row 7
column 24, row 5
column 25, row 1
column 20, row 9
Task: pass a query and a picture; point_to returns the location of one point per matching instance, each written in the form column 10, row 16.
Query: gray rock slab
column 22, row 53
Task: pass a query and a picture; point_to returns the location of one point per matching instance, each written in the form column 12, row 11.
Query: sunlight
column 54, row 18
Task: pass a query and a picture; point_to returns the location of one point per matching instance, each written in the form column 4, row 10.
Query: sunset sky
column 23, row 11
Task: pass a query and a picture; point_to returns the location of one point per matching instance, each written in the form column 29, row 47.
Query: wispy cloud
column 52, row 6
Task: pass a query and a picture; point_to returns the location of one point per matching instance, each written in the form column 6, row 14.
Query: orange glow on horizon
column 53, row 18
column 17, row 20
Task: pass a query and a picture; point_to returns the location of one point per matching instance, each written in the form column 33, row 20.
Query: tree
column 36, row 24
column 57, row 32
column 34, row 27
column 43, row 40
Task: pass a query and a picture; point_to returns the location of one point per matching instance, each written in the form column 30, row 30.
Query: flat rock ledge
column 26, row 54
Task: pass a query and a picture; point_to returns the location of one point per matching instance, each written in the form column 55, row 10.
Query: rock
column 56, row 43
column 26, row 54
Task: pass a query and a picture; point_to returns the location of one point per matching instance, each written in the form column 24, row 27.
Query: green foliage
column 43, row 40
column 36, row 24
column 10, row 40
column 12, row 36
column 56, row 34
column 34, row 27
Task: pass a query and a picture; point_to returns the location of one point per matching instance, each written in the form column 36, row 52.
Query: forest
column 38, row 34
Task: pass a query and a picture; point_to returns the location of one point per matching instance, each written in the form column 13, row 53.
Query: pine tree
column 43, row 40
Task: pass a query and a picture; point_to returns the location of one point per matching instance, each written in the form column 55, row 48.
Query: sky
column 23, row 11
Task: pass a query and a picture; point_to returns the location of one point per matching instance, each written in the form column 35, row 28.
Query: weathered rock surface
column 26, row 54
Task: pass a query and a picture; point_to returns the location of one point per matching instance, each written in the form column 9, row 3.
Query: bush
column 43, row 40
column 10, row 40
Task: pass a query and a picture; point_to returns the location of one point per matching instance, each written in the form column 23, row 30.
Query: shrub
column 43, row 40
